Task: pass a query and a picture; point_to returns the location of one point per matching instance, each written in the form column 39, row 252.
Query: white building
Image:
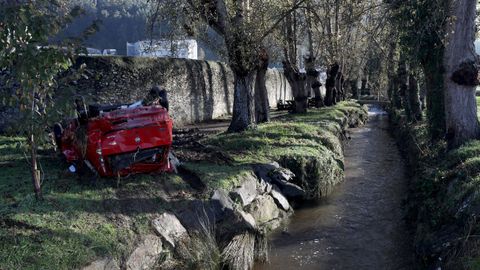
column 187, row 48
column 93, row 51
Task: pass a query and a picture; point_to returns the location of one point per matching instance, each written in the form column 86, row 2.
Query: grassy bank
column 78, row 222
column 444, row 199
column 307, row 144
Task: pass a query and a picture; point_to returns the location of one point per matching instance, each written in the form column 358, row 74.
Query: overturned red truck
column 117, row 140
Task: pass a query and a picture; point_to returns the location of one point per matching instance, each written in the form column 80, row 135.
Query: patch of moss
column 216, row 176
column 461, row 154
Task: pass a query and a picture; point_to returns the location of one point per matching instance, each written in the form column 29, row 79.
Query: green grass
column 308, row 144
column 456, row 200
column 478, row 106
column 445, row 195
column 75, row 223
column 294, row 135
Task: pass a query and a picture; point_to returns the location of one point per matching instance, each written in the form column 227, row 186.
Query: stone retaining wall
column 198, row 90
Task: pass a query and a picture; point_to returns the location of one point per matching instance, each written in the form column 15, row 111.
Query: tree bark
column 391, row 70
column 404, row 87
column 290, row 68
column 318, row 95
column 229, row 21
column 396, row 98
column 364, row 88
column 312, row 74
column 340, row 93
column 243, row 102
column 297, row 83
column 262, row 106
column 461, row 74
column 34, row 168
column 423, row 94
column 330, row 95
column 354, row 88
column 434, row 86
column 414, row 99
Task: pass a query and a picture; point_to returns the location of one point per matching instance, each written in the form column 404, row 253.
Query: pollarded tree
column 461, row 73
column 242, row 25
column 291, row 69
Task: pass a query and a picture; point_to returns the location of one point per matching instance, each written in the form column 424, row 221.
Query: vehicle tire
column 163, row 98
column 57, row 133
column 85, row 175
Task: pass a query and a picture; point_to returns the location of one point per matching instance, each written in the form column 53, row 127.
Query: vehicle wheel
column 57, row 133
column 85, row 175
column 163, row 98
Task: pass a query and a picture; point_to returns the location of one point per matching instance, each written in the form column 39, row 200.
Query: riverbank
column 235, row 188
column 360, row 225
column 443, row 201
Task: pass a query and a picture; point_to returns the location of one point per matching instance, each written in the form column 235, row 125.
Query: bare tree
column 291, row 68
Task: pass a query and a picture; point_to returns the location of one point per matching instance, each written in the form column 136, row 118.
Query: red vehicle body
column 121, row 141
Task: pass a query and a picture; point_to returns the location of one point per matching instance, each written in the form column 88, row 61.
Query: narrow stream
column 360, row 225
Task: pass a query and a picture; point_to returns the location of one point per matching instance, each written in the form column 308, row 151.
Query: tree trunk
column 313, row 84
column 396, row 98
column 391, row 70
column 354, row 88
column 461, row 74
column 290, row 68
column 318, row 94
column 301, row 100
column 432, row 68
column 312, row 74
column 34, row 168
column 297, row 83
column 422, row 93
column 243, row 102
column 262, row 106
column 403, row 87
column 414, row 99
column 330, row 85
column 339, row 87
column 364, row 88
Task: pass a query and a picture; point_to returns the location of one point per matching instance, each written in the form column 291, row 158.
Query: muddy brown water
column 360, row 225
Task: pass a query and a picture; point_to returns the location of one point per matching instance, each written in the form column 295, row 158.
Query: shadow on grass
column 43, row 248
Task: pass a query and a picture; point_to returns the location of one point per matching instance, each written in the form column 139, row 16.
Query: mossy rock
column 317, row 175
